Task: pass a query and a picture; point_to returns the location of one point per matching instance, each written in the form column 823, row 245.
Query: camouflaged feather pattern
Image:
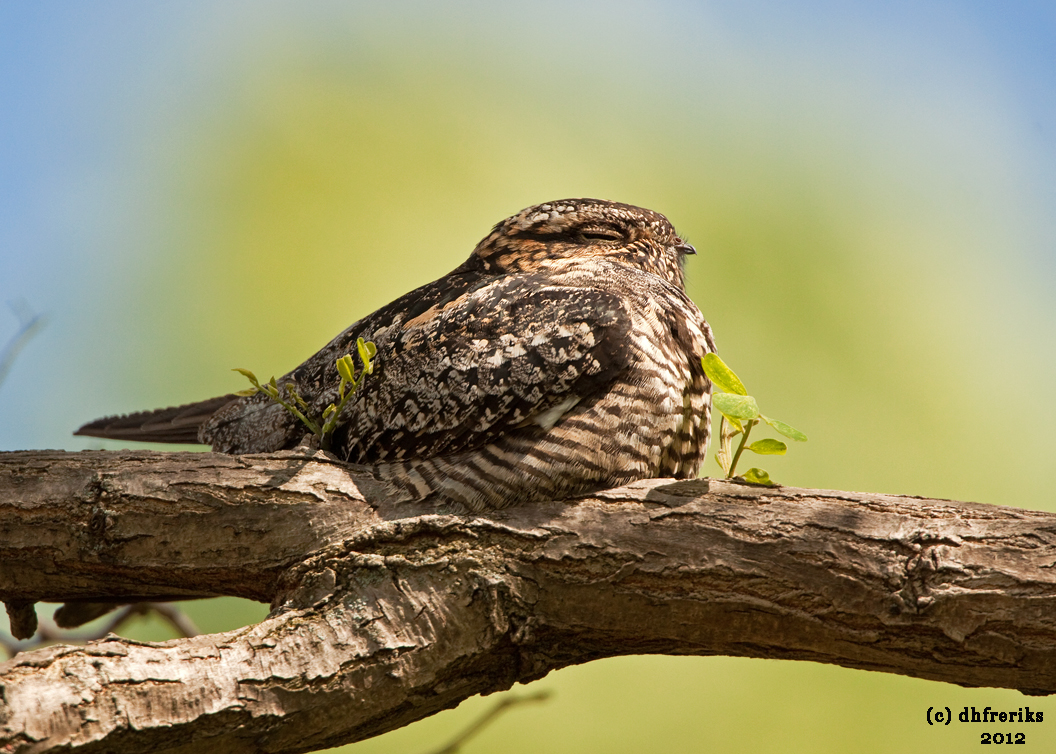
column 561, row 357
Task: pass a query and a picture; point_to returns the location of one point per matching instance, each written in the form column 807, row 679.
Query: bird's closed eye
column 601, row 234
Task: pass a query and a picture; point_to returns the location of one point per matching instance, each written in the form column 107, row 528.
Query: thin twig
column 31, row 324
column 176, row 618
column 48, row 633
column 488, row 717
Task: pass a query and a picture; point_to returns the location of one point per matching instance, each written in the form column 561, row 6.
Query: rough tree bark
column 384, row 614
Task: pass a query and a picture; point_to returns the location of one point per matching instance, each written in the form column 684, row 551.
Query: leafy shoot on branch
column 739, row 414
column 321, row 426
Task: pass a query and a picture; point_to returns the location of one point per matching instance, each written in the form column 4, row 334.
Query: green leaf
column 345, row 368
column 790, row 432
column 722, row 375
column 329, row 410
column 758, row 476
column 247, row 392
column 736, row 406
column 768, row 447
column 366, row 352
column 248, row 375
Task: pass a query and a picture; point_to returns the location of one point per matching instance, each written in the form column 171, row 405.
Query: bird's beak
column 685, row 248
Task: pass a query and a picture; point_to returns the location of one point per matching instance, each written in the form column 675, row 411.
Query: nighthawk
column 562, row 357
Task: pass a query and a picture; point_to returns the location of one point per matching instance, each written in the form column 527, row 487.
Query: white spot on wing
column 552, row 415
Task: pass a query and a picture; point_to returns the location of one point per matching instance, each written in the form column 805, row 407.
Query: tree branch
column 385, row 613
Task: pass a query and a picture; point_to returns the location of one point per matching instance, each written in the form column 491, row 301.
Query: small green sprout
column 739, row 413
column 321, row 426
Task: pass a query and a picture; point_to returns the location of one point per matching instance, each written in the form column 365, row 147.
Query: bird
column 562, row 357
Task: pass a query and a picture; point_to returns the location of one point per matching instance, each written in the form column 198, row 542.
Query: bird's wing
column 255, row 424
column 513, row 355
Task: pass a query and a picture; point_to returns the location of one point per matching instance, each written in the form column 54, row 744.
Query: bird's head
column 581, row 230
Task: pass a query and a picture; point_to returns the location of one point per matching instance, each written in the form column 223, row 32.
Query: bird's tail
column 176, row 424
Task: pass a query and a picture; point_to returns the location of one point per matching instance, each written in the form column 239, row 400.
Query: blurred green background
column 189, row 188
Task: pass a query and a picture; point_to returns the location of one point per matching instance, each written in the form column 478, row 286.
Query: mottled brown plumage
column 562, row 356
